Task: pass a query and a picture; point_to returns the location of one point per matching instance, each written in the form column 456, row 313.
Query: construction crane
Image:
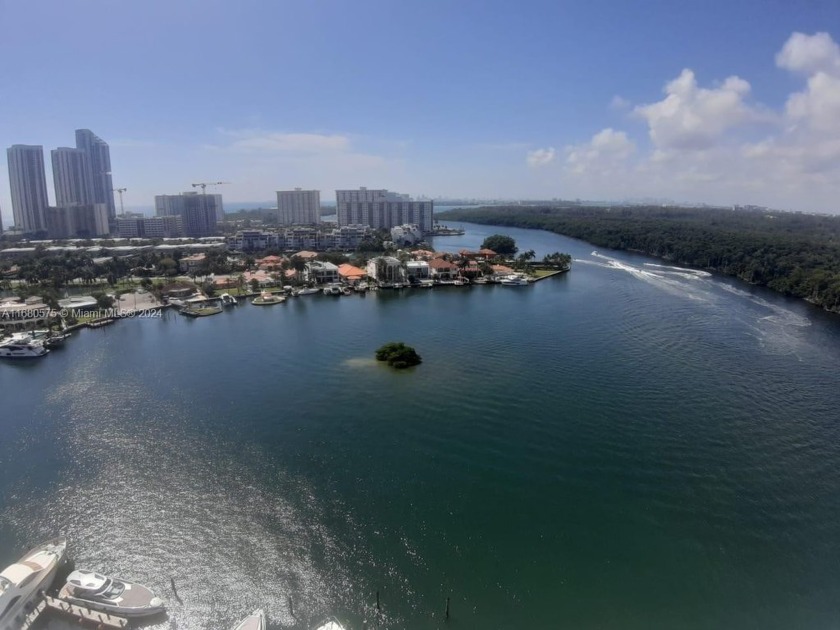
column 120, row 191
column 204, row 185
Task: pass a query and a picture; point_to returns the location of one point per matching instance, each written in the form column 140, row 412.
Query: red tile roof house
column 351, row 274
column 486, row 254
column 502, row 270
column 443, row 269
column 422, row 254
column 260, row 276
column 306, row 255
column 225, row 282
column 471, row 269
column 270, row 262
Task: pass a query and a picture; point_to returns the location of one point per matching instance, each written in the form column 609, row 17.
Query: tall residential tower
column 299, row 207
column 72, row 177
column 28, row 185
column 99, row 158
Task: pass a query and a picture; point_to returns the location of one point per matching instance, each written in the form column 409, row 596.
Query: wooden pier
column 82, row 614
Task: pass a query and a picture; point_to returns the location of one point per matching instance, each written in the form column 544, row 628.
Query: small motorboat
column 309, row 291
column 254, row 621
column 227, row 299
column 331, row 624
column 266, row 299
column 110, row 595
column 21, row 581
column 514, row 280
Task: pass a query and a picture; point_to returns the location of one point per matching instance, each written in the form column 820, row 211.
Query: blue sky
column 718, row 101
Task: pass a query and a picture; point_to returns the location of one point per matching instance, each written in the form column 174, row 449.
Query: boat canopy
column 86, row 580
column 17, row 573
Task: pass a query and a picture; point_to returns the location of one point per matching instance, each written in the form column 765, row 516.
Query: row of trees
column 795, row 254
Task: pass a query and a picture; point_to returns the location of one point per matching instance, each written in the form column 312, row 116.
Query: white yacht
column 309, row 291
column 23, row 349
column 110, row 595
column 514, row 280
column 254, row 621
column 47, row 338
column 333, row 289
column 22, row 581
column 228, row 300
column 331, row 624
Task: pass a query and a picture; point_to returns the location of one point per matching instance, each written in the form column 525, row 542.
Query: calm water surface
column 630, row 445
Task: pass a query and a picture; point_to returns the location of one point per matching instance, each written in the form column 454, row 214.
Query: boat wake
column 666, row 279
column 681, row 271
column 776, row 327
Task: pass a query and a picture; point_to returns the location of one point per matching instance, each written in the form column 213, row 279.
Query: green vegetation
column 792, row 253
column 500, row 244
column 398, row 355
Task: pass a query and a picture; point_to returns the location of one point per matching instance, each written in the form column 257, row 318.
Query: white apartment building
column 299, row 207
column 382, row 209
column 404, row 235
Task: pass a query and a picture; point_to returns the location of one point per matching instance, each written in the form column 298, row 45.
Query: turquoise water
column 625, row 446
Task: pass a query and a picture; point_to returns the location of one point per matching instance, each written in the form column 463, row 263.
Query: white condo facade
column 299, row 207
column 382, row 209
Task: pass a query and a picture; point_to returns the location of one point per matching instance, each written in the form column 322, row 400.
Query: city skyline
column 725, row 103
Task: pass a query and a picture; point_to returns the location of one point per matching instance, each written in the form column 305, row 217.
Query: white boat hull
column 254, row 621
column 135, row 600
column 49, row 556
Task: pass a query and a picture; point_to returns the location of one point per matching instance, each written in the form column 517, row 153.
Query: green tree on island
column 500, row 244
column 398, row 355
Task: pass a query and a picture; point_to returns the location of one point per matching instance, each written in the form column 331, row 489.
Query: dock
column 80, row 613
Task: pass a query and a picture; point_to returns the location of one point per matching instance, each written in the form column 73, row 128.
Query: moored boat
column 99, row 323
column 110, row 595
column 226, row 299
column 514, row 280
column 23, row 580
column 254, row 621
column 30, row 349
column 331, row 624
column 308, row 291
column 266, row 299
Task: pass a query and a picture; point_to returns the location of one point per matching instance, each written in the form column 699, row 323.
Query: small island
column 398, row 355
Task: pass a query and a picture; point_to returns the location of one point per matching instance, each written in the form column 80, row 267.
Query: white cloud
column 606, row 150
column 810, row 54
column 690, row 117
column 254, row 140
column 704, row 146
column 818, row 107
column 619, row 103
column 540, row 157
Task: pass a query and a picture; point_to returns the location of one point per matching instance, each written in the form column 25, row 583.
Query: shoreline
column 718, row 272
